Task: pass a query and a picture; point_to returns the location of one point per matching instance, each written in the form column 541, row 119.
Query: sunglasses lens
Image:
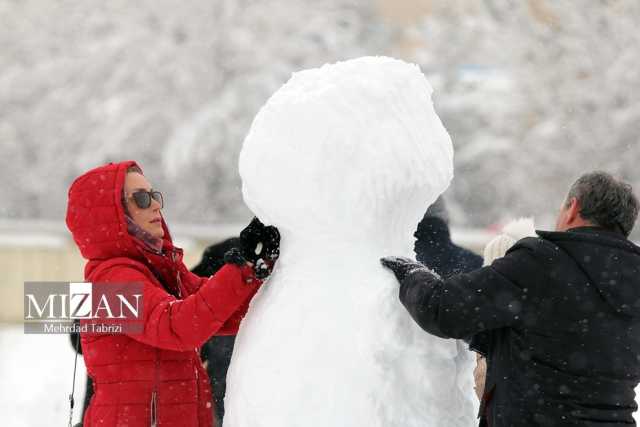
column 157, row 196
column 142, row 199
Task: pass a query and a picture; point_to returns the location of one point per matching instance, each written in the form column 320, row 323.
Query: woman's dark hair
column 606, row 201
column 134, row 168
column 130, row 169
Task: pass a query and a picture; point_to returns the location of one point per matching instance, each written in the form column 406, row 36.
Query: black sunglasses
column 143, row 198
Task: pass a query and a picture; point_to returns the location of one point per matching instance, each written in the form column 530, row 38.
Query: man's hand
column 401, row 266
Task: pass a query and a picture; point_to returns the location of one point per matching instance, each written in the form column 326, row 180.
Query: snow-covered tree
column 171, row 84
column 552, row 95
column 533, row 92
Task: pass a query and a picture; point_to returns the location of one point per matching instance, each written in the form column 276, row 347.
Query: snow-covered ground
column 36, row 372
column 35, row 379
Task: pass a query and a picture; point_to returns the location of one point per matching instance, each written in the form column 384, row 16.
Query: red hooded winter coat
column 158, row 373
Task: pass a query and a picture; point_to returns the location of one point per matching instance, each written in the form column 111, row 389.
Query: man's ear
column 573, row 211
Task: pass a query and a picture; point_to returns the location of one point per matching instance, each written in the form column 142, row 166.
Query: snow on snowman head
column 352, row 150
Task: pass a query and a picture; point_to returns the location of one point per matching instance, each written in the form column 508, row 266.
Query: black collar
column 592, row 229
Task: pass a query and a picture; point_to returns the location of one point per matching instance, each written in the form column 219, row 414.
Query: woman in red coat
column 154, row 377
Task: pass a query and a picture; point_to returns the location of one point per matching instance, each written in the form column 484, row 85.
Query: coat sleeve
column 232, row 325
column 185, row 324
column 466, row 304
column 192, row 282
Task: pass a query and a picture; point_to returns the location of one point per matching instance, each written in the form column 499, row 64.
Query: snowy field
column 35, row 379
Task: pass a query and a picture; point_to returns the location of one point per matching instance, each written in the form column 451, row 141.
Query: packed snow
column 36, row 373
column 344, row 160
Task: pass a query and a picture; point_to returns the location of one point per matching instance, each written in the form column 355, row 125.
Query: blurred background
column 533, row 93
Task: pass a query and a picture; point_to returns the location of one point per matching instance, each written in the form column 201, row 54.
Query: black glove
column 260, row 245
column 258, row 241
column 401, row 266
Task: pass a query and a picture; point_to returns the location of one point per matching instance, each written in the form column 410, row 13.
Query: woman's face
column 148, row 219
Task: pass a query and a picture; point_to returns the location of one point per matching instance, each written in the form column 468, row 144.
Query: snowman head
column 352, row 150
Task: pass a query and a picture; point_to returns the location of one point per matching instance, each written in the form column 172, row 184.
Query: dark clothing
column 213, row 257
column 562, row 313
column 435, row 249
column 218, row 350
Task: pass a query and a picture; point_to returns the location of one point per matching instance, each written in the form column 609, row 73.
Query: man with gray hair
column 561, row 312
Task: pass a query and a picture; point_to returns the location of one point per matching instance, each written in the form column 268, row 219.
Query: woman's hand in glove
column 259, row 246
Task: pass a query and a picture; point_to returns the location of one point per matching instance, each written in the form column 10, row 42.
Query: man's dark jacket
column 562, row 319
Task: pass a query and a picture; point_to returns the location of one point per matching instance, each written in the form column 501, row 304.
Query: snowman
column 344, row 159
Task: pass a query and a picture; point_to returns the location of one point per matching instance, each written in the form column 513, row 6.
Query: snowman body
column 343, row 160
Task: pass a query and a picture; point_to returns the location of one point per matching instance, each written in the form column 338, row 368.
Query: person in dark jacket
column 216, row 352
column 562, row 312
column 434, row 247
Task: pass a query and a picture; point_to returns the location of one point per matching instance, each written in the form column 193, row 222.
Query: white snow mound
column 344, row 159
